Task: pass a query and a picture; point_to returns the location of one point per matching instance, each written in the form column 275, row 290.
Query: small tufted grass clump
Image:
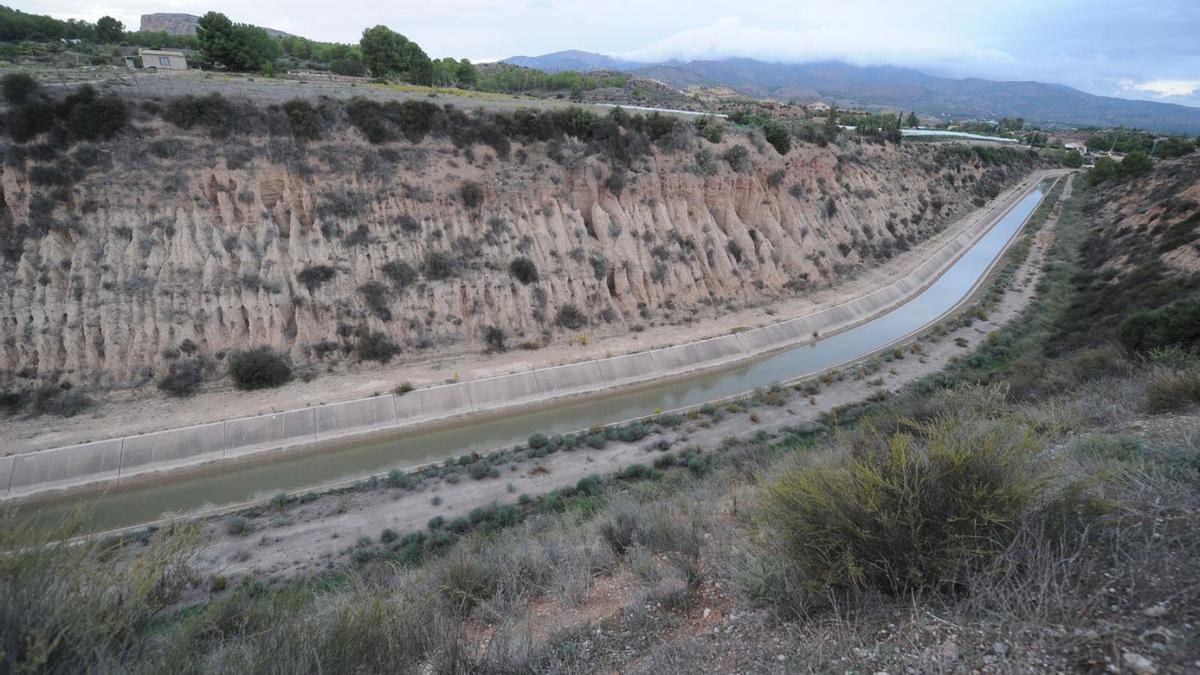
column 1172, row 391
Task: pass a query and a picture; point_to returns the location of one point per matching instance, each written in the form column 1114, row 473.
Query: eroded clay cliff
column 165, row 241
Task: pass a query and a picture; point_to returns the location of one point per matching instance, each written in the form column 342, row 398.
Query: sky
column 1145, row 49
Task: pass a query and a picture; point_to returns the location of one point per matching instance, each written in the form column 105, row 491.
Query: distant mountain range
column 573, row 59
column 891, row 87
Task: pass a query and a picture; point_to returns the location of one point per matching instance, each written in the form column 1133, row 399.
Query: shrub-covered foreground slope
column 1032, row 509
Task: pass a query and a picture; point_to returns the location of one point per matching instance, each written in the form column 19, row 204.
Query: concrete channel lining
column 337, row 419
column 504, row 391
column 168, row 450
column 576, row 378
column 65, row 467
column 6, row 472
column 263, row 431
column 424, row 405
column 298, row 425
column 117, row 459
column 627, row 369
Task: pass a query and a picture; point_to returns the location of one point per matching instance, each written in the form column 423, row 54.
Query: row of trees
column 389, row 54
column 1128, row 140
column 1136, row 163
column 339, row 58
column 448, row 72
column 17, row 25
column 774, row 131
column 381, row 52
column 237, row 46
column 882, row 128
column 507, row 77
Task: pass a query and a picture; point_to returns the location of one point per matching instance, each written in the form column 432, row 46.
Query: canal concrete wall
column 108, row 462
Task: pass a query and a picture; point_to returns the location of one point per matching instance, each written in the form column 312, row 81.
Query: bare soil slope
column 121, row 256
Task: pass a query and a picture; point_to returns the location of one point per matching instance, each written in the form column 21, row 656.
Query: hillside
column 903, row 89
column 122, row 256
column 573, row 59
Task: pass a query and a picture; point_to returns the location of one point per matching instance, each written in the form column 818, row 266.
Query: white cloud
column 860, row 43
column 1168, row 87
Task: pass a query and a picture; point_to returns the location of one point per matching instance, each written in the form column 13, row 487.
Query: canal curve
column 143, row 503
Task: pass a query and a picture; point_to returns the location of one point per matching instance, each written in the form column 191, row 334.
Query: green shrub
column 523, row 270
column 212, row 112
column 59, row 401
column 778, row 136
column 92, row 117
column 589, row 486
column 616, row 181
column 367, row 116
column 738, row 158
column 315, row 276
column 670, row 420
column 35, row 116
column 304, row 119
column 1134, row 164
column 183, row 377
column 259, row 368
column 632, row 432
column 239, row 526
column 376, row 295
column 1172, row 392
column 495, row 338
column 401, row 273
column 17, row 88
column 482, row 469
column 906, row 512
column 570, row 317
column 639, row 472
column 438, row 265
column 472, row 194
column 464, row 579
column 52, row 175
column 11, row 402
column 710, row 128
column 377, row 346
column 700, row 465
column 1176, row 325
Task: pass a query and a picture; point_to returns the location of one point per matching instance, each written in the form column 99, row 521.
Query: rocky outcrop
column 183, row 24
column 175, row 243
